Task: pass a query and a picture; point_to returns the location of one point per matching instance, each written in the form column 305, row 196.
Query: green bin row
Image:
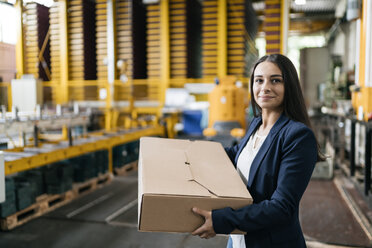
column 125, row 154
column 57, row 178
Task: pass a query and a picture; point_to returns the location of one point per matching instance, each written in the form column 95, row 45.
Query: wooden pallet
column 126, row 169
column 92, row 184
column 43, row 205
column 46, row 203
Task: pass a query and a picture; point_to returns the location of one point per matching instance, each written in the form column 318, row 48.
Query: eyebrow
column 274, row 75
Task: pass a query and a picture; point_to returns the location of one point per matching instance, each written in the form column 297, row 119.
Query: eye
column 276, row 80
column 258, row 80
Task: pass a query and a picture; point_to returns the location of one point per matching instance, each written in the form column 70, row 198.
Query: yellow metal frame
column 20, row 63
column 157, row 86
column 284, row 25
column 110, row 113
column 364, row 97
column 165, row 48
column 62, row 94
column 9, row 93
column 42, row 159
column 222, row 38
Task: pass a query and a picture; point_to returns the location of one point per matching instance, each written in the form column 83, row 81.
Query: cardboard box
column 176, row 175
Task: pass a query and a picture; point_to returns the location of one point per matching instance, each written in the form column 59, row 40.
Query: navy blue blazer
column 278, row 177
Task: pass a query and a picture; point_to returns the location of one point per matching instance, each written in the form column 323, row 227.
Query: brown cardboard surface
column 176, row 175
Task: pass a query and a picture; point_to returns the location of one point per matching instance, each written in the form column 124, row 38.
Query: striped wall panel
column 124, row 42
column 101, row 34
column 43, row 39
column 177, row 35
column 75, row 47
column 209, row 37
column 124, row 34
column 31, row 49
column 153, row 41
column 272, row 26
column 81, row 28
column 236, row 38
column 55, row 48
column 54, row 42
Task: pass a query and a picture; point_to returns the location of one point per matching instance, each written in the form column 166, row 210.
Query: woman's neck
column 268, row 121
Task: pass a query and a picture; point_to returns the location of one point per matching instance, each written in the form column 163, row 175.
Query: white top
column 245, row 160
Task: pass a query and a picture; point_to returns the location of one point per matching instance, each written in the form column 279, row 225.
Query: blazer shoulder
column 297, row 129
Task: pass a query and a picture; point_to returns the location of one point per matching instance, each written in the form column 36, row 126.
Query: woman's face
column 268, row 87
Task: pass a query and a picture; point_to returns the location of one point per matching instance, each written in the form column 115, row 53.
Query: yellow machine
column 226, row 109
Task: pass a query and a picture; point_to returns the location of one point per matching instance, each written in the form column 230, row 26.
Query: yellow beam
column 111, row 71
column 362, row 44
column 20, row 40
column 42, row 159
column 222, row 38
column 165, row 52
column 365, row 29
column 284, row 26
column 62, row 94
column 10, row 102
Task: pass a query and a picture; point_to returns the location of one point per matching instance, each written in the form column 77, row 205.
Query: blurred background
column 81, row 81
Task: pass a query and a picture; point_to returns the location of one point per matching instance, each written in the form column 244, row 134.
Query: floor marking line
column 89, row 205
column 122, row 210
column 353, row 208
column 124, row 224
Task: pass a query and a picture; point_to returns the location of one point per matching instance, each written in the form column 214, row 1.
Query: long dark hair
column 293, row 104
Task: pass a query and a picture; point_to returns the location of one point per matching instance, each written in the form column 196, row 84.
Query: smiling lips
column 265, row 97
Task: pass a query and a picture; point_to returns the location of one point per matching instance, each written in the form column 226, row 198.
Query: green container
column 9, row 185
column 7, row 208
column 60, row 188
column 59, row 176
column 51, row 175
column 24, row 195
column 117, row 154
column 85, row 167
column 133, row 151
column 101, row 158
column 36, row 176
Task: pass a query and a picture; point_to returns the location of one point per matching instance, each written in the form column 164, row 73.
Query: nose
column 265, row 87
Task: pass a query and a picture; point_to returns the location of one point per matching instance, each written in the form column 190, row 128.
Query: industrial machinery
column 227, row 109
column 113, row 61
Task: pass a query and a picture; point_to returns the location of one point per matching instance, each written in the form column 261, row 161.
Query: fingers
column 200, row 212
column 199, row 231
column 205, row 231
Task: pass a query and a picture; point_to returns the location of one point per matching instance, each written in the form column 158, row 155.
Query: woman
column 275, row 159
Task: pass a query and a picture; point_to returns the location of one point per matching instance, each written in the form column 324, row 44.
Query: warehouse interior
column 82, row 81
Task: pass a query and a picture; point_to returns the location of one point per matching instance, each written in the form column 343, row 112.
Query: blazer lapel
column 265, row 147
column 251, row 129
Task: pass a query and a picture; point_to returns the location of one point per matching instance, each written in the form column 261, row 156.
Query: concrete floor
column 104, row 218
column 108, row 218
column 326, row 217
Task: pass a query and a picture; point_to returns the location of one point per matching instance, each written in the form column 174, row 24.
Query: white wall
column 350, row 45
column 7, row 62
column 344, row 45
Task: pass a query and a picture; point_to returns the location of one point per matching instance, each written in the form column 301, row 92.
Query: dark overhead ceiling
column 312, row 17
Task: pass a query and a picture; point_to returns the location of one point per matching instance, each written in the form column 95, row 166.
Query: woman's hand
column 205, row 231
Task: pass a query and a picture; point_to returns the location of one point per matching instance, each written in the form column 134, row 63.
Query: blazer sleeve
column 232, row 152
column 297, row 163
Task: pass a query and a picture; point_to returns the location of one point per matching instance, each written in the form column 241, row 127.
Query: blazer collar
column 282, row 121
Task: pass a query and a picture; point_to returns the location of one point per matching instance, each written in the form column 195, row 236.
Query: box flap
column 212, row 168
column 183, row 167
column 164, row 170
